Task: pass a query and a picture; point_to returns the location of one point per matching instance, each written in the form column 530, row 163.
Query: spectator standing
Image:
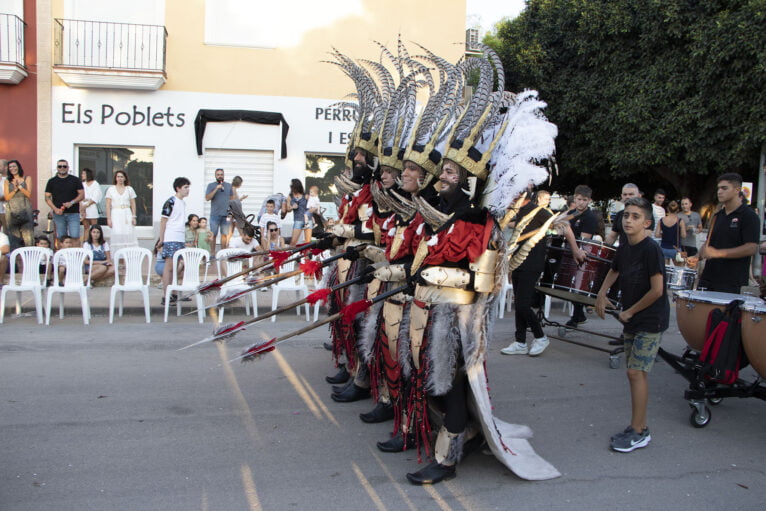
column 297, row 203
column 658, row 209
column 172, row 231
column 732, row 240
column 629, row 190
column 219, row 193
column 63, row 193
column 671, row 230
column 89, row 205
column 101, row 265
column 121, row 212
column 236, row 184
column 693, row 222
column 17, row 190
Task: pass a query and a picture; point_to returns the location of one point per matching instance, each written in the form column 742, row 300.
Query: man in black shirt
column 584, row 224
column 62, row 194
column 629, row 191
column 733, row 239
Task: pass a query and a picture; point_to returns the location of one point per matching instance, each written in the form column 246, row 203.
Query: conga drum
column 564, row 278
column 694, row 307
column 754, row 335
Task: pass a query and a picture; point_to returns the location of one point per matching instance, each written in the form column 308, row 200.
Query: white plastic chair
column 73, row 260
column 31, row 279
column 238, row 284
column 296, row 284
column 505, row 300
column 193, row 258
column 134, row 279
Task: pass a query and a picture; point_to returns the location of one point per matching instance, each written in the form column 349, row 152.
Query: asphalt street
column 114, row 417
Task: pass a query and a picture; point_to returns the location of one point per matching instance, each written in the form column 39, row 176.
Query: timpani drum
column 694, row 307
column 564, row 278
column 678, row 278
column 754, row 335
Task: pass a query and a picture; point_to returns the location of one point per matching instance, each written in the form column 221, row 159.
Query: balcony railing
column 107, row 45
column 11, row 40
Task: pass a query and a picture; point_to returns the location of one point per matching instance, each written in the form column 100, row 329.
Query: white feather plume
column 528, row 138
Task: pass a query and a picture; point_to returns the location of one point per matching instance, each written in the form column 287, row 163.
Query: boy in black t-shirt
column 639, row 268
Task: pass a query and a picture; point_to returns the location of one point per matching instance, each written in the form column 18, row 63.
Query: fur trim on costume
column 443, row 348
column 403, row 343
column 369, row 331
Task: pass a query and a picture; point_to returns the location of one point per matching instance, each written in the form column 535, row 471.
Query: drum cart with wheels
column 692, row 310
column 614, row 353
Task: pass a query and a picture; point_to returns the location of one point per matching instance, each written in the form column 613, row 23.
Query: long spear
column 231, row 329
column 310, row 268
column 346, row 314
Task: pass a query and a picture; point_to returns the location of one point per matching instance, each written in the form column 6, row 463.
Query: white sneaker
column 515, row 348
column 538, row 346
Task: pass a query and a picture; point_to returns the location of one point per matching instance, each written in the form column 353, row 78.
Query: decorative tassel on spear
column 346, row 314
column 228, row 330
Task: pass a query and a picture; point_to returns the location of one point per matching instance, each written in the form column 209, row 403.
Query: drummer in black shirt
column 733, row 239
column 584, row 224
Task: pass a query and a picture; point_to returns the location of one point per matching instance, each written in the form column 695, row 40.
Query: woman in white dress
column 88, row 206
column 121, row 212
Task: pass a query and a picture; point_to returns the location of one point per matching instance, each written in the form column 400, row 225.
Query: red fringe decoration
column 257, row 350
column 311, row 268
column 320, row 295
column 316, row 251
column 228, row 328
column 350, row 311
column 278, row 257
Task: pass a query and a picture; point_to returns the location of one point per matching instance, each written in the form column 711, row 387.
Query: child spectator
column 312, row 208
column 269, row 216
column 639, row 269
column 5, row 249
column 190, row 235
column 45, row 269
column 64, row 242
column 101, row 265
column 172, row 231
column 204, row 235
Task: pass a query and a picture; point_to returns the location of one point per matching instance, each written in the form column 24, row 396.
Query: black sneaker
column 625, row 431
column 628, row 442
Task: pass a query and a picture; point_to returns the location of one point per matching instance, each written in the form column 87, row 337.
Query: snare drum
column 754, row 336
column 564, row 278
column 679, row 278
column 694, row 307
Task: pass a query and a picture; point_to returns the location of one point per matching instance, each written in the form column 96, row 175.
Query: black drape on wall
column 206, row 116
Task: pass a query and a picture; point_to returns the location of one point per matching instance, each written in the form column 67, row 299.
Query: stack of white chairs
column 192, row 259
column 32, row 259
column 296, row 284
column 238, row 284
column 73, row 260
column 134, row 280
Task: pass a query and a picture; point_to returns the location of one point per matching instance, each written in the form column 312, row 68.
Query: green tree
column 660, row 92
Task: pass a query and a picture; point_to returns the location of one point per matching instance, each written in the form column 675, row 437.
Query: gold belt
column 435, row 294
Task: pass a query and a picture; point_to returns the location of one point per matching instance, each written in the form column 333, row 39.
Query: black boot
column 432, row 474
column 337, row 389
column 396, row 443
column 381, row 413
column 341, row 376
column 353, row 393
column 327, row 346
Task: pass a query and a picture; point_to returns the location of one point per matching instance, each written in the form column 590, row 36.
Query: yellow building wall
column 192, row 65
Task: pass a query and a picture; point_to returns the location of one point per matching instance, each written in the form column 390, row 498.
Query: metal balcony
column 104, row 54
column 12, row 68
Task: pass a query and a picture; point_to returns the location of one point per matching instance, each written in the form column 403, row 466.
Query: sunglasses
column 273, row 230
column 63, row 166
